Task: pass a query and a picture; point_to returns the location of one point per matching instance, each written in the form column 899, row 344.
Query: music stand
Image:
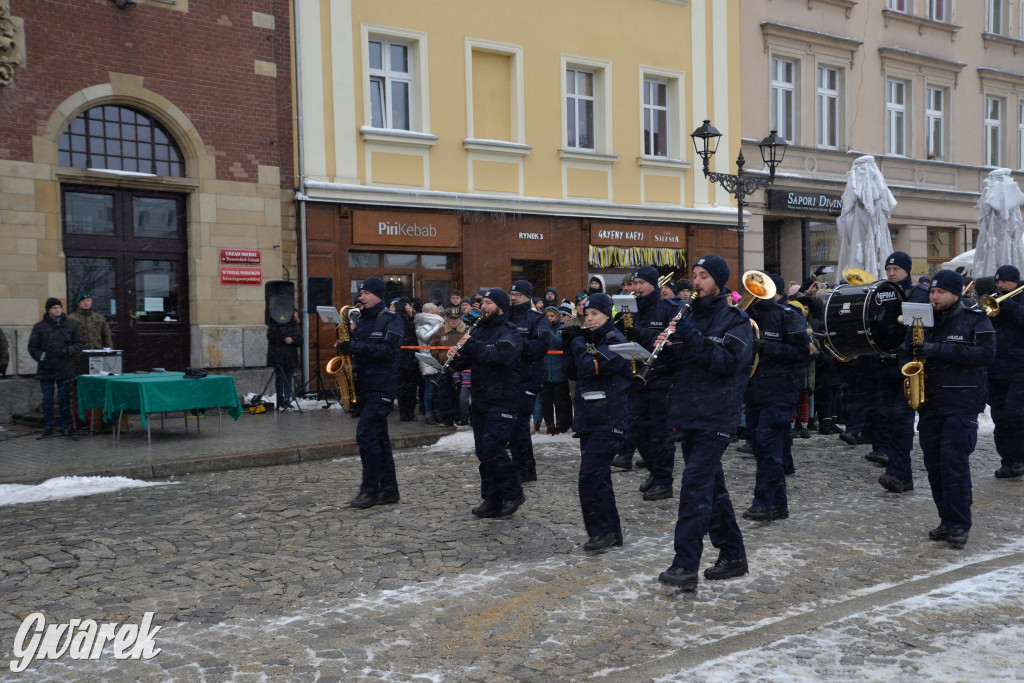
column 330, row 315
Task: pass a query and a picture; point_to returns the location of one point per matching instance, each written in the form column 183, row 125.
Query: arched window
column 117, row 138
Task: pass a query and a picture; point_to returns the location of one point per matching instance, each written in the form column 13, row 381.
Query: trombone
column 990, row 304
column 858, row 276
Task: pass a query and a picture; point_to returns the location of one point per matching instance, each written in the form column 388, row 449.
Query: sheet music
column 429, row 360
column 624, row 303
column 923, row 311
column 329, row 314
column 630, row 350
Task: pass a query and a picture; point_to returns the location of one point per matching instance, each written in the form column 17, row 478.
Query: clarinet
column 444, row 368
column 641, row 376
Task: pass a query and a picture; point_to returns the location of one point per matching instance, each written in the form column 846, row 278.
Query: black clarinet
column 444, row 368
column 641, row 375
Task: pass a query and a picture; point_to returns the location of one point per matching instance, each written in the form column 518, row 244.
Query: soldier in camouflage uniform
column 96, row 332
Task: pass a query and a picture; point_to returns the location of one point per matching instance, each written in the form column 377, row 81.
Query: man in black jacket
column 53, row 342
column 956, row 351
column 283, row 344
column 493, row 353
column 534, row 329
column 374, row 348
column 1006, row 380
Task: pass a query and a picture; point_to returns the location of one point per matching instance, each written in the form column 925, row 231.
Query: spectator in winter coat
column 53, row 343
column 556, row 405
column 427, row 323
column 550, row 297
column 446, row 396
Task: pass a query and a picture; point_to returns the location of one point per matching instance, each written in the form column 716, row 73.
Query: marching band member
column 712, row 365
column 957, row 351
column 374, row 348
column 534, row 329
column 771, row 396
column 494, row 354
column 603, row 379
column 648, row 409
column 1006, row 385
column 893, row 437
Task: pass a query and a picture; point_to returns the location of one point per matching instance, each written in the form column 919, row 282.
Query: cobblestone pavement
column 264, row 574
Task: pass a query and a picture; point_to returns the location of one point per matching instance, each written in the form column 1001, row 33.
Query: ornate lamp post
column 773, row 148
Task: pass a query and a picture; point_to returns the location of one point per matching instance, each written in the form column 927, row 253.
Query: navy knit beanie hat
column 523, row 287
column 949, row 280
column 647, row 274
column 717, row 268
column 499, row 297
column 1009, row 273
column 601, row 302
column 901, row 259
column 375, row 286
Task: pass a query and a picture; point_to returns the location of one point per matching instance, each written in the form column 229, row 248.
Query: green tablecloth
column 164, row 392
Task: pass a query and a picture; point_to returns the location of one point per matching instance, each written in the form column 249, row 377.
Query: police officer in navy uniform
column 648, row 403
column 494, row 354
column 712, row 364
column 374, row 348
column 893, row 437
column 535, row 331
column 603, row 379
column 957, row 352
column 1006, row 378
column 770, row 398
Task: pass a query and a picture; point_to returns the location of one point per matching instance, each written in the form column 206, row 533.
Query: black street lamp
column 773, row 148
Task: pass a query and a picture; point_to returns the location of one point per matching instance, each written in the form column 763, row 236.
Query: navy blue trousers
column 704, row 504
column 520, row 442
column 648, row 424
column 894, row 424
column 768, row 429
column 947, row 442
column 375, row 444
column 63, row 390
column 1006, row 398
column 597, row 498
column 499, row 480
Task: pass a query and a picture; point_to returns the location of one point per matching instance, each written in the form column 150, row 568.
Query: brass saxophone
column 339, row 368
column 913, row 385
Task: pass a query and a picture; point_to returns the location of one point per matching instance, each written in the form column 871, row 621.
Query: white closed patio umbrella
column 864, row 239
column 1000, row 228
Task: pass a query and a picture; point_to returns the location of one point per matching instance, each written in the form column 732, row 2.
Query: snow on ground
column 69, row 487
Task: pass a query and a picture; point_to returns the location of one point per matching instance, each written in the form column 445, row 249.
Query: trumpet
column 757, row 286
column 990, row 304
column 665, row 279
column 339, row 368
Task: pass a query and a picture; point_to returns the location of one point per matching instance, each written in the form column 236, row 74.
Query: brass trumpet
column 990, row 304
column 339, row 368
column 665, row 279
column 756, row 286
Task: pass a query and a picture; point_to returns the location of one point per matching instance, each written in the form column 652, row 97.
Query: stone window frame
column 1009, row 86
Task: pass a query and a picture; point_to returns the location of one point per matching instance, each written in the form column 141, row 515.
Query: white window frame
column 1020, row 135
column 783, row 96
column 896, row 117
column 938, row 10
column 419, row 95
column 993, row 132
column 995, row 19
column 900, row 5
column 829, row 119
column 933, row 117
column 388, row 79
column 651, row 111
column 602, row 134
column 575, row 105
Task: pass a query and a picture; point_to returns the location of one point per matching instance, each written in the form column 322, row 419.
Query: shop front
column 800, row 233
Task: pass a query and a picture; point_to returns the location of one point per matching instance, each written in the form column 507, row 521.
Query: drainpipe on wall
column 300, row 196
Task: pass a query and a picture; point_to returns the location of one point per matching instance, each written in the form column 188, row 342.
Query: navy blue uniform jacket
column 603, row 379
column 534, row 328
column 374, row 349
column 784, row 354
column 653, row 316
column 712, row 365
column 495, row 366
column 964, row 345
column 1009, row 327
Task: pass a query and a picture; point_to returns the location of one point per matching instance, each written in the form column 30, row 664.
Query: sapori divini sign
column 625, row 235
column 407, row 229
column 792, row 200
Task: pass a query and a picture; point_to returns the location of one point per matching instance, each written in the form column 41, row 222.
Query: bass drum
column 864, row 319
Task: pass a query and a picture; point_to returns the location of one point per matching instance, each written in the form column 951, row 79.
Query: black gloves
column 923, row 350
column 633, row 334
column 570, row 332
column 343, row 347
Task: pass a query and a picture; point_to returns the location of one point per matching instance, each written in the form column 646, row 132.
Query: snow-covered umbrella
column 1000, row 228
column 864, row 240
